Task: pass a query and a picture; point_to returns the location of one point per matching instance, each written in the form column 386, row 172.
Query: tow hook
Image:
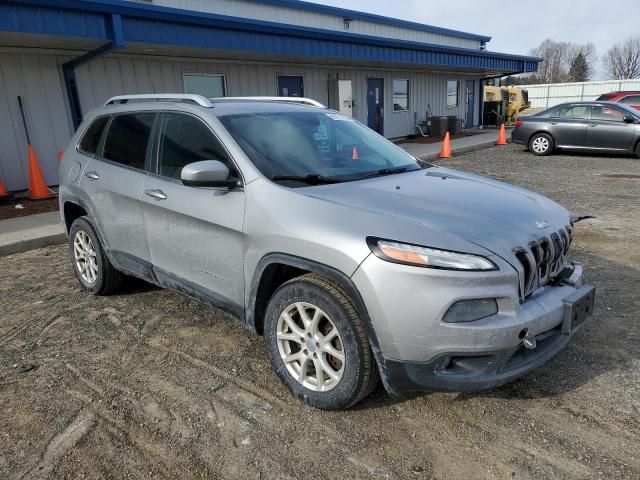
column 529, row 342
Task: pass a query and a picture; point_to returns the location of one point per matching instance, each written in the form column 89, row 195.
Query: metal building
column 65, row 57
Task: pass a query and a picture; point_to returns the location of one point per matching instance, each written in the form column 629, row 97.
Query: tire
column 541, row 144
column 638, row 150
column 353, row 378
column 98, row 277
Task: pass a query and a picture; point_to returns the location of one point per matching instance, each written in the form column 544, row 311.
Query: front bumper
column 418, row 352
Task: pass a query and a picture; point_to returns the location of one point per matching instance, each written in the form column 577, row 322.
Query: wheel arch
column 274, row 269
column 547, row 132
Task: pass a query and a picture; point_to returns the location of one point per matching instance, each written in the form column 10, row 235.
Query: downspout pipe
column 68, row 69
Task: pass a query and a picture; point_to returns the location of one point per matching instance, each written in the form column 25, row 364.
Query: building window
column 453, row 87
column 207, row 85
column 401, row 95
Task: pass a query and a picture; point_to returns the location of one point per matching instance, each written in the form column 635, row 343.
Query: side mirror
column 207, row 173
column 628, row 119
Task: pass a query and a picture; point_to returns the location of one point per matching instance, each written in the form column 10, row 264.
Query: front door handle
column 157, row 194
column 92, row 175
column 593, row 124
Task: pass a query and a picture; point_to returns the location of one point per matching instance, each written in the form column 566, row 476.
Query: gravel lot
column 148, row 384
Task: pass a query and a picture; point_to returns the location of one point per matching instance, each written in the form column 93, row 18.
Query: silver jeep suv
column 352, row 259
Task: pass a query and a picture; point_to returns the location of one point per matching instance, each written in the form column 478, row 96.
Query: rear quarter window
column 92, row 135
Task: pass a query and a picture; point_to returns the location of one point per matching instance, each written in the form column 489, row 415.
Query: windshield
column 322, row 145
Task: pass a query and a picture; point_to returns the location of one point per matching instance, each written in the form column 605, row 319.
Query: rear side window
column 605, row 98
column 577, row 112
column 184, row 140
column 91, row 138
column 128, row 138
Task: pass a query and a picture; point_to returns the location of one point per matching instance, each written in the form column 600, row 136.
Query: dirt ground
column 149, row 384
column 29, row 207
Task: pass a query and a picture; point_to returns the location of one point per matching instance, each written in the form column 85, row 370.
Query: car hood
column 495, row 215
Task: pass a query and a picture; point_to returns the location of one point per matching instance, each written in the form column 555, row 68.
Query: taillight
column 60, row 155
column 518, row 123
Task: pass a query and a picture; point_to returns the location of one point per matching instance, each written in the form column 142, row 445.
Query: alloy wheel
column 85, row 257
column 310, row 346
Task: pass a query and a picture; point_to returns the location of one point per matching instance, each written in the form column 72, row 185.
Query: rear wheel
column 541, row 144
column 318, row 345
column 90, row 263
column 638, row 150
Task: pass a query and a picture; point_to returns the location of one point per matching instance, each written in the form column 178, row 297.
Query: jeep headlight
column 419, row 256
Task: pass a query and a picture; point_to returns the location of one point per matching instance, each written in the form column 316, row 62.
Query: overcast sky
column 519, row 25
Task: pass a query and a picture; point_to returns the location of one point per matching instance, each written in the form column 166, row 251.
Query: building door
column 290, row 86
column 375, row 104
column 471, row 91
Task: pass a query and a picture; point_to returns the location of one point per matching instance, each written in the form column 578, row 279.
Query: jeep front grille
column 543, row 260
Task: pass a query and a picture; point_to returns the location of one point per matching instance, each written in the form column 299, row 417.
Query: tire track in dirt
column 62, row 443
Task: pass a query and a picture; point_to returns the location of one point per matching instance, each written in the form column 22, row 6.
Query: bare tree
column 622, row 61
column 558, row 58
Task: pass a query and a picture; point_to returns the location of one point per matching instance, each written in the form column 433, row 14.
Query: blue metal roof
column 120, row 22
column 345, row 13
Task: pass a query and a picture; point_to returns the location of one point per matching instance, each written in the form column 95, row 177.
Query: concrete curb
column 32, row 244
column 459, row 151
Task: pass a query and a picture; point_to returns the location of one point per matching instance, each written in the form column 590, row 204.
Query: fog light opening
column 471, row 310
column 523, row 333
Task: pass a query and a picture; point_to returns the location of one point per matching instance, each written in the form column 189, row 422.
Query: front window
column 606, row 113
column 318, row 144
column 401, row 95
column 183, row 140
column 453, row 87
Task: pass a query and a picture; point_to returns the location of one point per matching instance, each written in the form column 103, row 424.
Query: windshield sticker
column 338, row 117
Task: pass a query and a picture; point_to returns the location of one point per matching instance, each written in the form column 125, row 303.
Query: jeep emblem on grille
column 542, row 224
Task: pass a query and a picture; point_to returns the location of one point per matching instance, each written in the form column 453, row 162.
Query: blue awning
column 121, row 22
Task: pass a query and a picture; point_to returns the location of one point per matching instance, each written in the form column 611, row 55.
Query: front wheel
column 317, row 344
column 541, row 144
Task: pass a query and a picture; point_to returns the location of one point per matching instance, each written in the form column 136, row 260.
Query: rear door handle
column 593, row 124
column 92, row 175
column 554, row 123
column 157, row 194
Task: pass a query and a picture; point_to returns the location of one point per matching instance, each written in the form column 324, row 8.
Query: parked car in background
column 354, row 261
column 631, row 98
column 589, row 126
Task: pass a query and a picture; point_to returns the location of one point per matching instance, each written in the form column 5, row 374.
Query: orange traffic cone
column 37, row 187
column 502, row 136
column 4, row 196
column 445, row 151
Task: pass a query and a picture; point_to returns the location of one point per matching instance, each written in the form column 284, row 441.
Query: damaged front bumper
column 427, row 354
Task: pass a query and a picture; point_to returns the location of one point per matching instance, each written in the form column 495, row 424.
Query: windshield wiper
column 311, row 179
column 385, row 171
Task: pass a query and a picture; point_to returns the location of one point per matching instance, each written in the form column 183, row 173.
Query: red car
column 629, row 98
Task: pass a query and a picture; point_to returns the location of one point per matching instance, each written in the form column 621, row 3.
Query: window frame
column 155, row 154
column 198, row 74
column 152, row 137
column 393, row 94
column 457, row 104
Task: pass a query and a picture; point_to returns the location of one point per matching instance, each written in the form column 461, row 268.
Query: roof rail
column 179, row 97
column 301, row 100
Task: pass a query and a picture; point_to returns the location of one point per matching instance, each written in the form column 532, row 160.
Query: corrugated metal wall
column 548, row 95
column 115, row 75
column 37, row 77
column 295, row 16
column 38, row 80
